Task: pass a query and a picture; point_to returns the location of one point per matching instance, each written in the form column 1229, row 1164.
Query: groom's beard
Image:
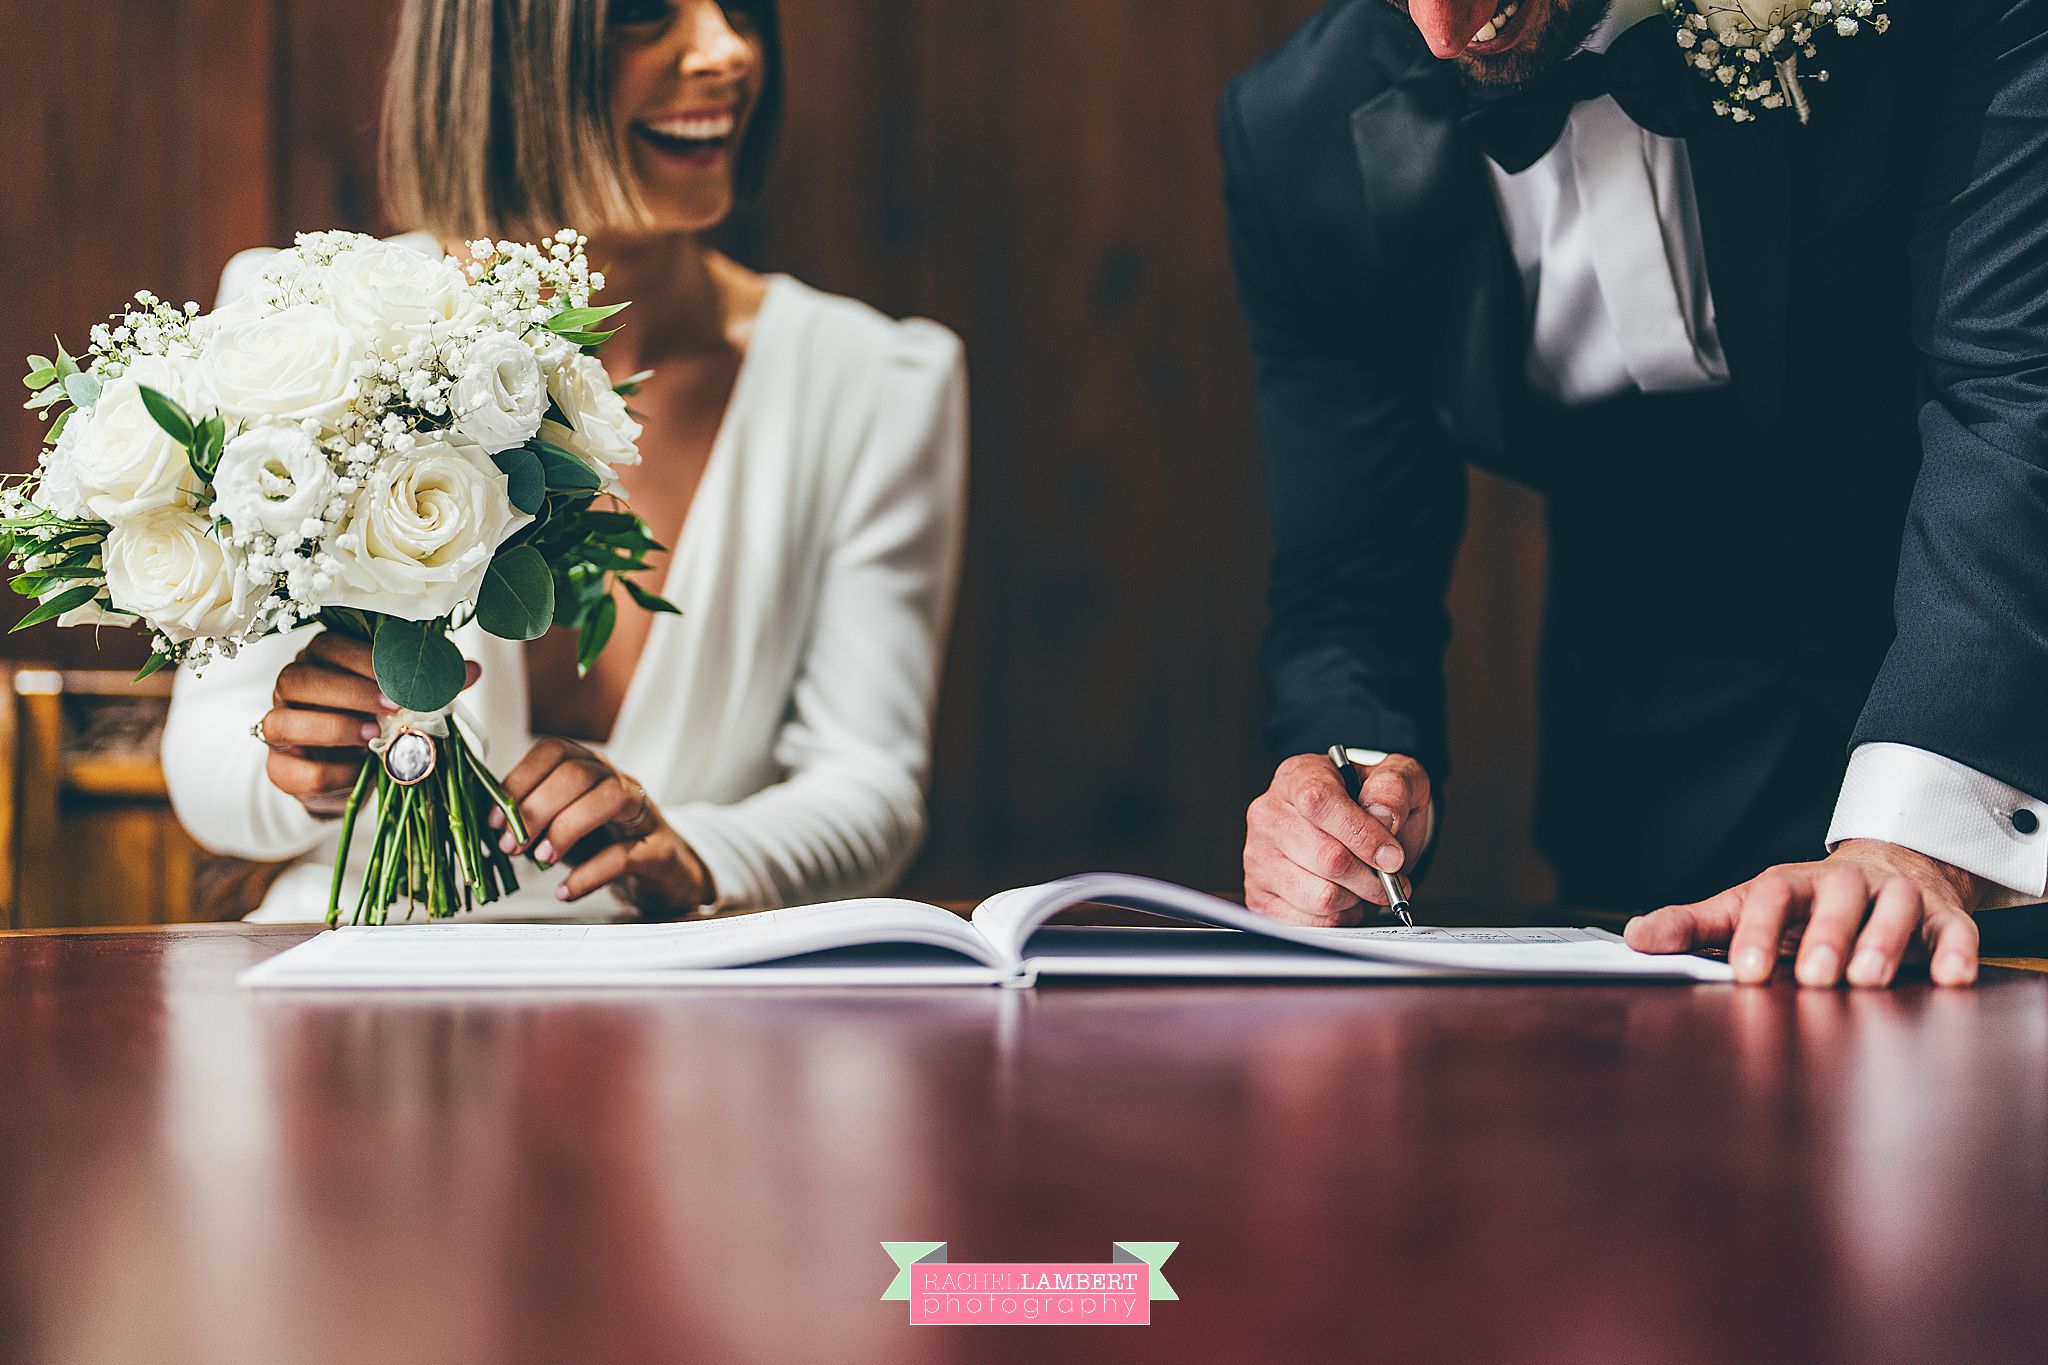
column 1559, row 31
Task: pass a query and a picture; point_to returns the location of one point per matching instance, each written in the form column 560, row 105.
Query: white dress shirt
column 782, row 722
column 1606, row 233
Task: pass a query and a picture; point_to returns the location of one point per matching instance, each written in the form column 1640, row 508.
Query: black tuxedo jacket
column 1857, row 525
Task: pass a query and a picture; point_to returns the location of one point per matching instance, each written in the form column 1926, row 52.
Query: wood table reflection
column 1431, row 1173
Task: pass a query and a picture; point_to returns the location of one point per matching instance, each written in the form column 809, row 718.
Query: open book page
column 1010, row 919
column 599, row 954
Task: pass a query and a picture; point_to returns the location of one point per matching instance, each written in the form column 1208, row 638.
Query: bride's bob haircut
column 497, row 118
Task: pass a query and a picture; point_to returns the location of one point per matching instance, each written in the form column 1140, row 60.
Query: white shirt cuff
column 1936, row 806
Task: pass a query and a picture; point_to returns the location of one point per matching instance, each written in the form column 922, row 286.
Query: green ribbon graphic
column 906, row 1255
column 1152, row 1255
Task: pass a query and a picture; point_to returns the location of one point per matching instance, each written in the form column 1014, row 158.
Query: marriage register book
column 1006, row 942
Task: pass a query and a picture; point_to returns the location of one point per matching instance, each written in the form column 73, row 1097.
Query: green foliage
column 526, row 485
column 563, row 471
column 58, row 605
column 518, row 597
column 166, row 413
column 417, row 665
column 574, row 325
column 597, row 634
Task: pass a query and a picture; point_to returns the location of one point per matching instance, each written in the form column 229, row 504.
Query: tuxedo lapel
column 1431, row 220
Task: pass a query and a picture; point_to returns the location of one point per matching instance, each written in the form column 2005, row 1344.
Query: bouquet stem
column 432, row 846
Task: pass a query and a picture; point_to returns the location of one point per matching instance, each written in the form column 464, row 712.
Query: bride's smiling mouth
column 694, row 137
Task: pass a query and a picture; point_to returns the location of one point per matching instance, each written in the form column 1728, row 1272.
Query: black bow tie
column 1643, row 70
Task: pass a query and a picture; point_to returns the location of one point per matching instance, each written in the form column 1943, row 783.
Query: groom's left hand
column 579, row 809
column 1862, row 911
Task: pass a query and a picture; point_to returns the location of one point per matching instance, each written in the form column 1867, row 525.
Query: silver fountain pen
column 1354, row 787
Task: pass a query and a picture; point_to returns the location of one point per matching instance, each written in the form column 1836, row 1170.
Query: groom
column 1785, row 386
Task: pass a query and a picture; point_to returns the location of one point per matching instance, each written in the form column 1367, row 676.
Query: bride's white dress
column 782, row 722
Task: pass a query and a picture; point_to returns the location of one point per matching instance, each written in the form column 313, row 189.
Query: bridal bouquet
column 385, row 442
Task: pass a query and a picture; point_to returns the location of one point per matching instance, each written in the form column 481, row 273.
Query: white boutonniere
column 1751, row 49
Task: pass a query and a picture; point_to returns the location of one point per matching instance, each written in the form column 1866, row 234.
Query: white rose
column 167, row 567
column 604, row 434
column 419, row 536
column 392, row 293
column 501, row 395
column 291, row 365
column 120, row 462
column 271, row 479
column 1733, row 20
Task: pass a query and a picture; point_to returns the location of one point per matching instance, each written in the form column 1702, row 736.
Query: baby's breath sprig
column 1751, row 49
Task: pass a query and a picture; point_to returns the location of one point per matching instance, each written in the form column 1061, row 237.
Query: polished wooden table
column 1502, row 1173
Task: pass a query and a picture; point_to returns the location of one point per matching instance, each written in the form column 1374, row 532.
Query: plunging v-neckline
column 715, row 464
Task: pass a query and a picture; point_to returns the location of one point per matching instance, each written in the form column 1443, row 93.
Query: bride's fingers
column 297, row 727
column 342, row 652
column 606, row 867
column 554, row 795
column 614, row 798
column 301, row 776
column 540, row 762
column 309, row 683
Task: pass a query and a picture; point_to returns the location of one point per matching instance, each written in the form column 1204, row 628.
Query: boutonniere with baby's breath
column 1751, row 49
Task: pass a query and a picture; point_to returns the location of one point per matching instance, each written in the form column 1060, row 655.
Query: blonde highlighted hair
column 497, row 119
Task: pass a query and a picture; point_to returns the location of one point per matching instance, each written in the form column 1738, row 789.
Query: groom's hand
column 1310, row 850
column 1862, row 911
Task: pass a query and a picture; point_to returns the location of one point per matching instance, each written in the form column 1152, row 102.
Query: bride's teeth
column 694, row 129
column 1487, row 34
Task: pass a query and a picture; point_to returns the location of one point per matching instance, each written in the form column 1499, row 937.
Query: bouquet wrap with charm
column 388, row 443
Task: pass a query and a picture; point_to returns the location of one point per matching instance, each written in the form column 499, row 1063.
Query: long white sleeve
column 214, row 765
column 1939, row 807
column 856, row 746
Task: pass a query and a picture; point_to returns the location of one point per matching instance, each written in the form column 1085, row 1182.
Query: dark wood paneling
column 1040, row 176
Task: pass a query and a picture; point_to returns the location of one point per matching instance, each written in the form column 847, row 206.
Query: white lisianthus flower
column 115, row 461
column 501, row 395
column 420, row 534
column 291, row 365
column 272, row 479
column 392, row 293
column 166, row 566
column 603, row 434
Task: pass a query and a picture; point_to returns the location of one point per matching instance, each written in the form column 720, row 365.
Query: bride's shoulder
column 860, row 340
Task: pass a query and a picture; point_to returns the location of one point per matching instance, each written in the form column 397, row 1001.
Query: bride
column 804, row 456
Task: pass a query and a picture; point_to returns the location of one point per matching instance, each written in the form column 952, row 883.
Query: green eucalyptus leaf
column 40, row 375
column 66, row 366
column 417, row 665
column 564, row 472
column 82, row 388
column 525, row 484
column 518, row 597
column 175, row 421
column 58, row 605
column 57, row 427
column 588, row 340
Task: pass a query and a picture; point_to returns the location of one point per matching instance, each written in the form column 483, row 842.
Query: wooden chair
column 87, row 835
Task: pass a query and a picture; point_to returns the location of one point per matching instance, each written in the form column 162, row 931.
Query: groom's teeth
column 1494, row 25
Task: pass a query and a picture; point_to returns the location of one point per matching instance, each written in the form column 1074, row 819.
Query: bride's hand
column 324, row 712
column 581, row 810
